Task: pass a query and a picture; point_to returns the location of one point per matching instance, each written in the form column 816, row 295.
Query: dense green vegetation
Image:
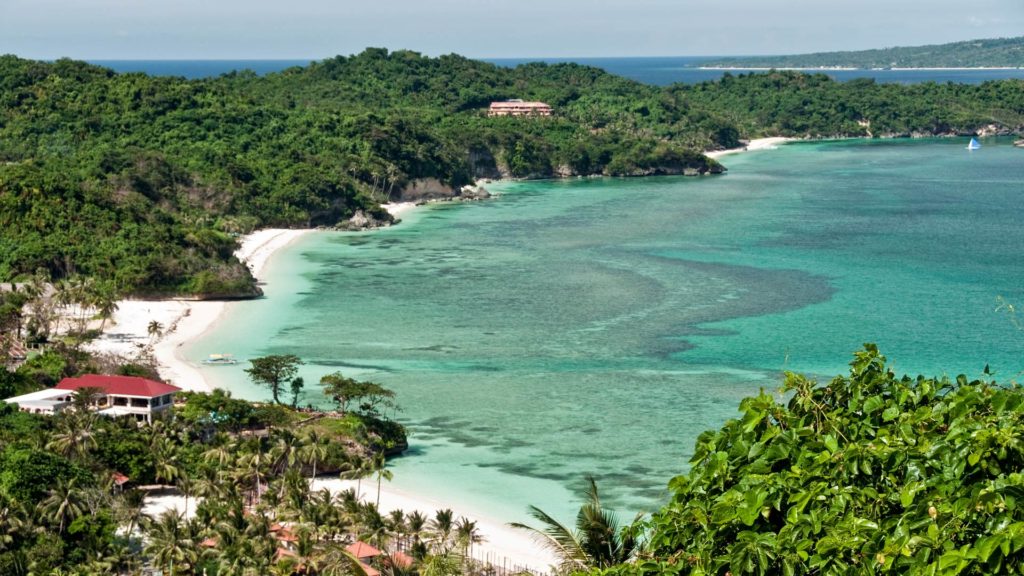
column 142, row 182
column 60, row 511
column 868, row 474
column 988, row 53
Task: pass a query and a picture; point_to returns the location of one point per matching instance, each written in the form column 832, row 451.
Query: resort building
column 519, row 108
column 139, row 398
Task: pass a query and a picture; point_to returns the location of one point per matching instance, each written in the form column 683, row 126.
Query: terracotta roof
column 120, row 479
column 401, row 559
column 119, row 385
column 370, row 570
column 362, row 550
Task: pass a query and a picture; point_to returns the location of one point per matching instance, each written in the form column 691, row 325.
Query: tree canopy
column 868, row 474
column 274, row 372
column 145, row 182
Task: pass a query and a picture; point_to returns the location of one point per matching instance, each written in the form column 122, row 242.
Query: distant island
column 988, row 53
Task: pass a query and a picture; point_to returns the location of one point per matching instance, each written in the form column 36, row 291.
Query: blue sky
column 187, row 29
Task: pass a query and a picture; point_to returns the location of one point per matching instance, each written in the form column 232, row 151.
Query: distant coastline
column 852, row 69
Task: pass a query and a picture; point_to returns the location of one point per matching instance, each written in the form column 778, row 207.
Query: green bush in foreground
column 869, row 474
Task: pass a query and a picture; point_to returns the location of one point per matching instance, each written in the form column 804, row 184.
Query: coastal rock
column 483, row 164
column 473, row 193
column 366, row 221
column 425, row 189
column 1019, row 143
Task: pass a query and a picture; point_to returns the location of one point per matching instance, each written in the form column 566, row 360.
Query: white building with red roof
column 132, row 396
column 519, row 108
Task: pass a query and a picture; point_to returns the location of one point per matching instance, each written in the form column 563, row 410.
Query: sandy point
column 179, row 321
column 752, row 146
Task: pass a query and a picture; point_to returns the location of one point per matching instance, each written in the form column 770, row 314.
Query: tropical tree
column 64, row 504
column 273, row 371
column 315, row 449
column 870, row 473
column 441, row 527
column 596, row 541
column 380, row 467
column 344, row 391
column 74, row 436
column 170, row 543
column 466, row 535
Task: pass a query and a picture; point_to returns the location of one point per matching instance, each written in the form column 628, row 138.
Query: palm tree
column 315, row 449
column 165, row 460
column 415, row 523
column 74, row 436
column 441, row 528
column 129, row 509
column 155, row 330
column 11, row 522
column 466, row 535
column 170, row 542
column 64, row 504
column 285, row 452
column 379, row 464
column 595, row 542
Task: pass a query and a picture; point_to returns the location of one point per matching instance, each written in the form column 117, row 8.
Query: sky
column 314, row 29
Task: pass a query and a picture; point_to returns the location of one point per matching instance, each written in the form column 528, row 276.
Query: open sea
column 659, row 71
column 597, row 326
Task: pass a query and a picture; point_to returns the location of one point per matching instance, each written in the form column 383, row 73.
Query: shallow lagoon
column 597, row 326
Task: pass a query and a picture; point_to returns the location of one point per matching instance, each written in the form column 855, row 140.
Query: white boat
column 974, row 145
column 220, row 359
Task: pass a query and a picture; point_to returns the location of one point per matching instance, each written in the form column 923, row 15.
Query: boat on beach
column 974, row 145
column 220, row 360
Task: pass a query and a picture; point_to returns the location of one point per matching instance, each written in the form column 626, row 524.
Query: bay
column 597, row 326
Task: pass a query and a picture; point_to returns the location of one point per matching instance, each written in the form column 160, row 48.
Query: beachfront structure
column 130, row 396
column 519, row 108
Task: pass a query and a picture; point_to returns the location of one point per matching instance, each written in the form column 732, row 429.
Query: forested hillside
column 988, row 53
column 143, row 181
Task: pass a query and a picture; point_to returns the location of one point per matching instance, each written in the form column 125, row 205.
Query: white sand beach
column 396, row 209
column 752, row 146
column 182, row 320
column 502, row 543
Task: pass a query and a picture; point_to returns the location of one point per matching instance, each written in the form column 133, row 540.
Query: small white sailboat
column 220, row 360
column 974, row 145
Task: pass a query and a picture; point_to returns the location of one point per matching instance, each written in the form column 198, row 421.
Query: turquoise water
column 596, row 326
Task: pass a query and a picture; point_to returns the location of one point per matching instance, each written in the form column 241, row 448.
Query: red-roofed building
column 363, row 551
column 519, row 108
column 400, row 559
column 121, row 396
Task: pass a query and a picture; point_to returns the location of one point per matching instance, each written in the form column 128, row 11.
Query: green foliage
column 872, row 473
column 596, row 540
column 26, row 474
column 143, row 181
column 123, row 447
column 370, row 396
column 273, row 371
column 46, row 369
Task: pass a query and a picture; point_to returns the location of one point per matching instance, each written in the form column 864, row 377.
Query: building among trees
column 132, row 396
column 519, row 108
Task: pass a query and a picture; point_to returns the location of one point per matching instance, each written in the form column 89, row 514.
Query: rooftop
column 118, row 385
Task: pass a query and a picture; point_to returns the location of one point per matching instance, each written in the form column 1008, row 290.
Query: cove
column 597, row 326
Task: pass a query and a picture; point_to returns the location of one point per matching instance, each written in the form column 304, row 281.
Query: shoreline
column 501, row 541
column 851, row 69
column 183, row 320
column 754, row 145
